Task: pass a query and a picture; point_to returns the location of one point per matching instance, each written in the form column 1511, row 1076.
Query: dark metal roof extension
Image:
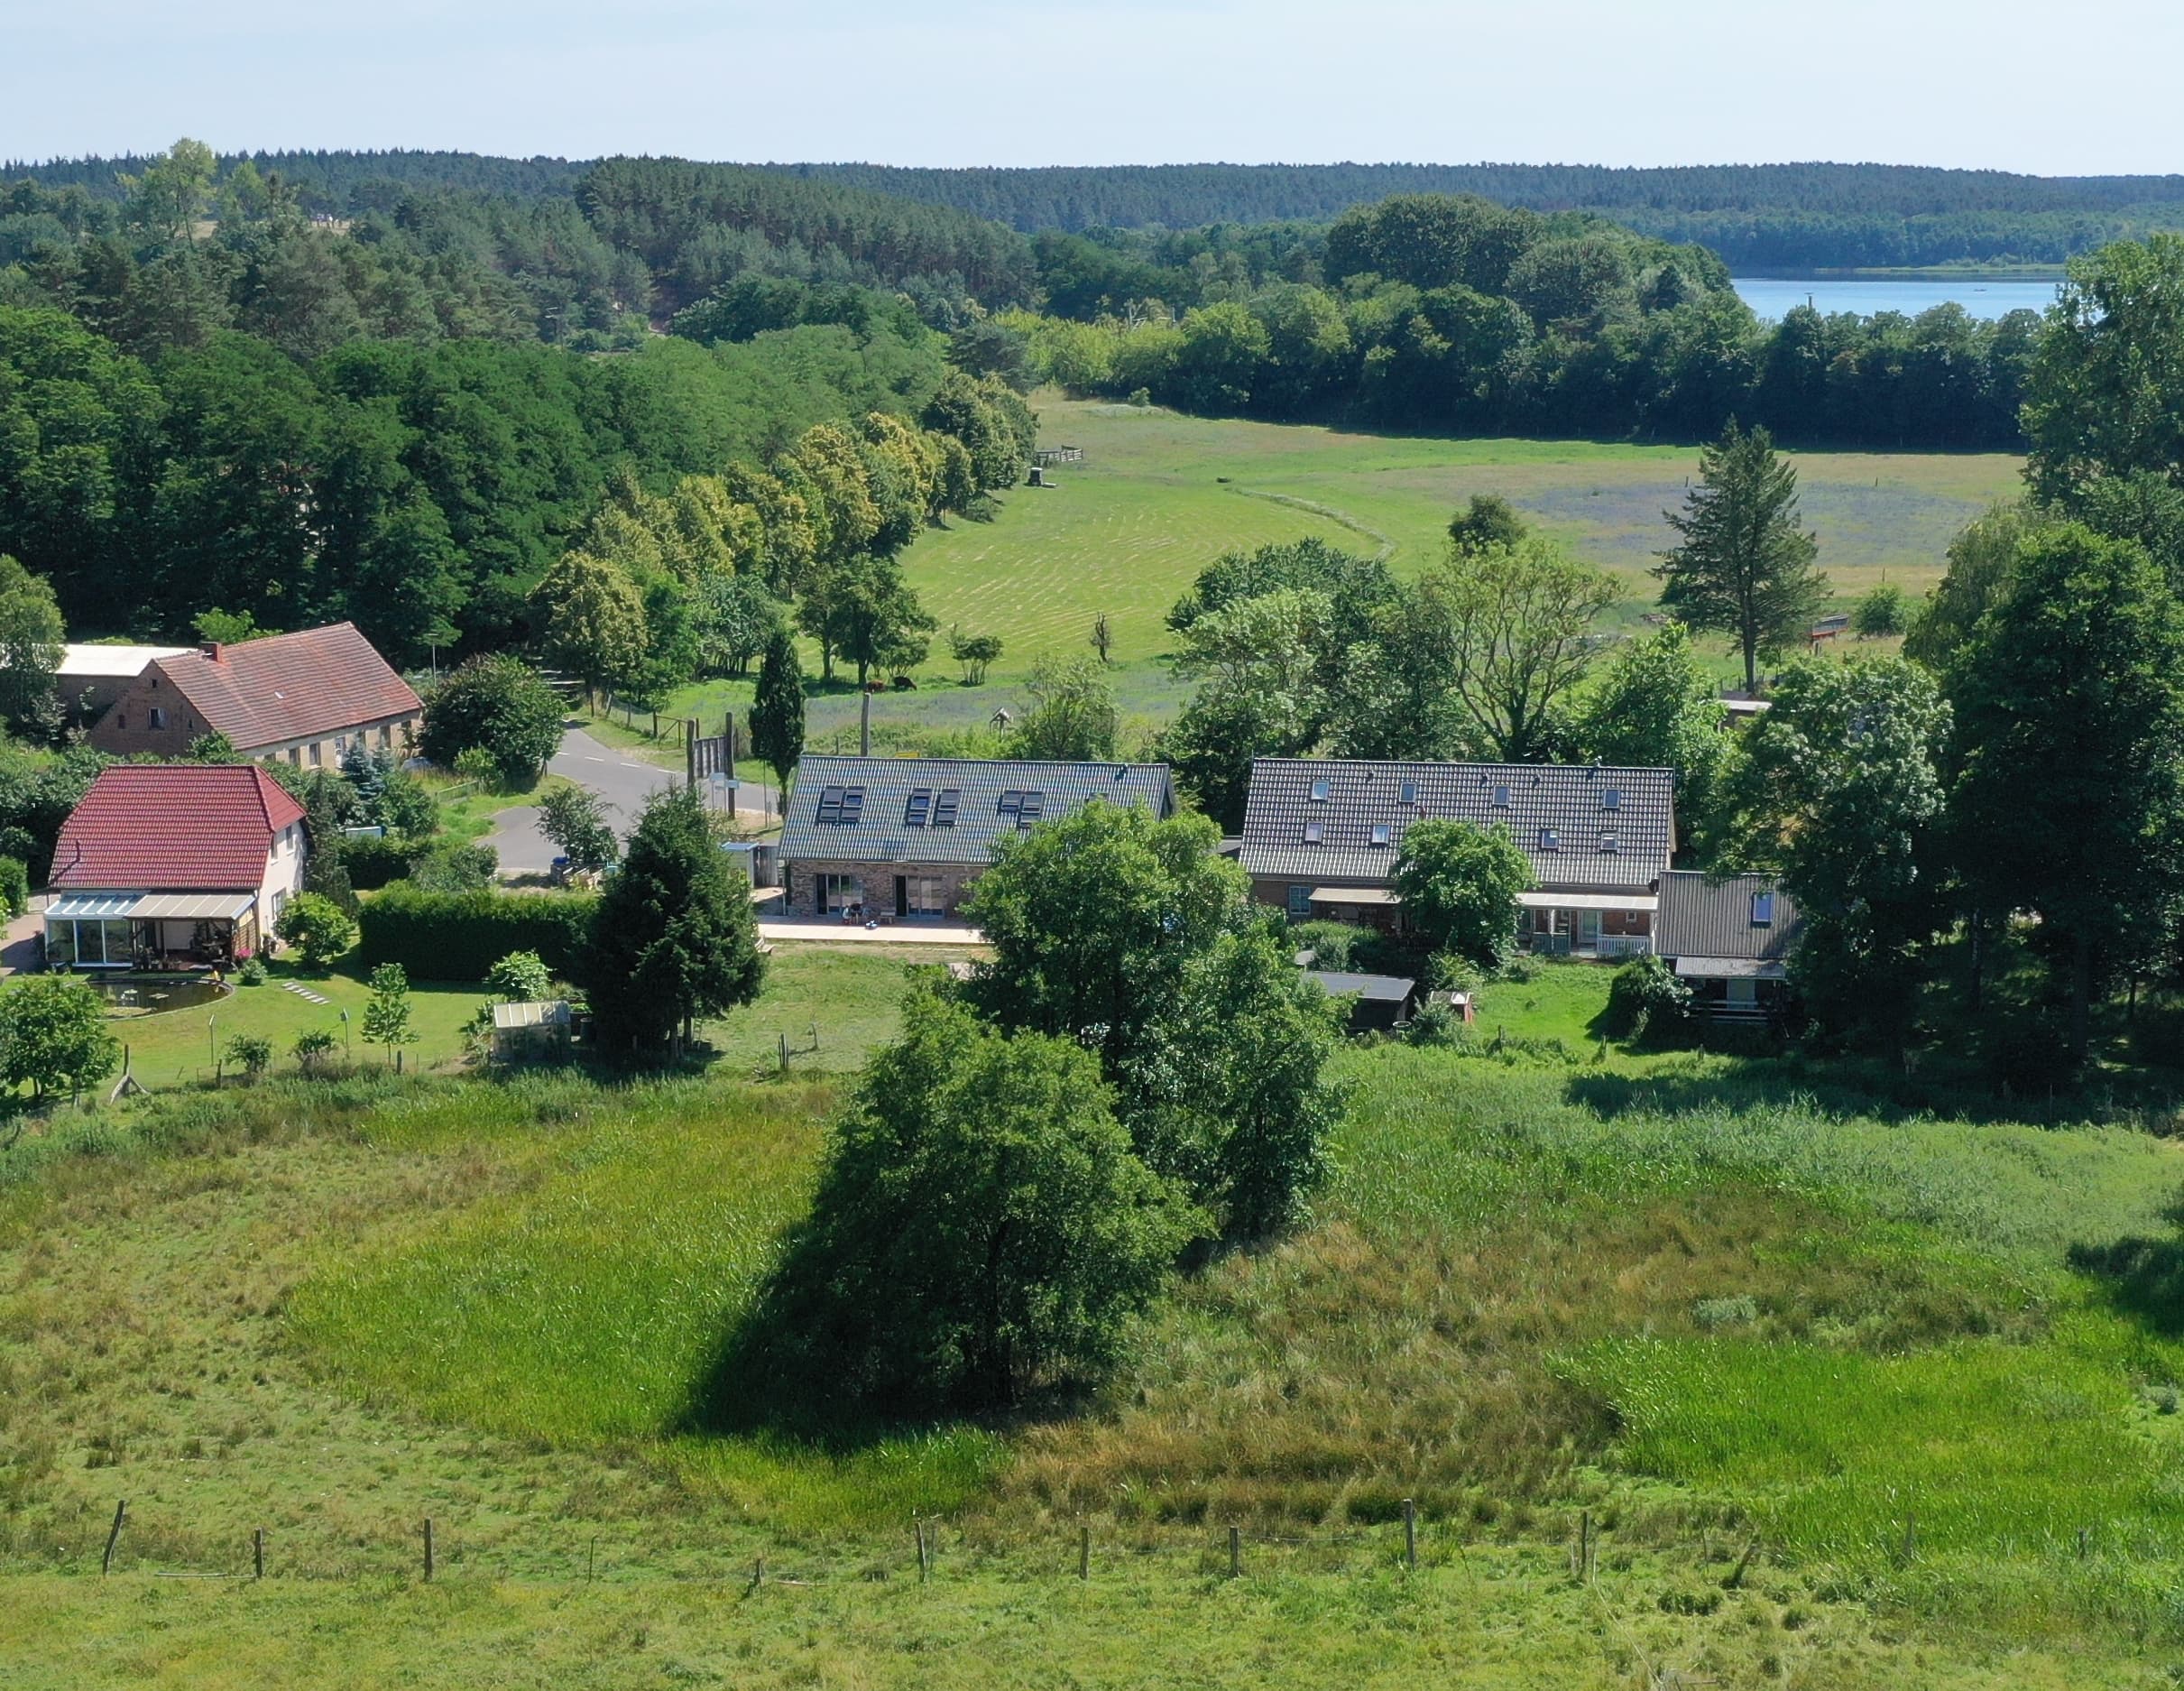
column 1387, row 989
column 1582, row 825
column 947, row 810
column 1718, row 918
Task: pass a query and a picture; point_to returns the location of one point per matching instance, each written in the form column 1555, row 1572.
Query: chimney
column 211, row 649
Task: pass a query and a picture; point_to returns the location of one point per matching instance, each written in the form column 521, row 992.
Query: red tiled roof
column 142, row 827
column 304, row 686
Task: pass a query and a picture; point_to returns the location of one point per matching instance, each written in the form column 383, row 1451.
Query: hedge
column 374, row 861
column 459, row 936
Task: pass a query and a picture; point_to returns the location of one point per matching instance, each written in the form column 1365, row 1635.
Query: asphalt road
column 622, row 782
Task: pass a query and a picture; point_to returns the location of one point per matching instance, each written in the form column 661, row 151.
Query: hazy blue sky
column 2051, row 88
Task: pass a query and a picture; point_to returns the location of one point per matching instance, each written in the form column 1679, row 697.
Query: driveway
column 622, row 782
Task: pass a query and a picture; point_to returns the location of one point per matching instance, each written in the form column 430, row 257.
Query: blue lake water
column 1770, row 297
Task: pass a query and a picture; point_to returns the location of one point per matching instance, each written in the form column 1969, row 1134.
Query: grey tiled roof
column 882, row 834
column 1707, row 918
column 1568, row 797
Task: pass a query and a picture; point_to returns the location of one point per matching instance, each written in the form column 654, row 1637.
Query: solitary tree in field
column 1743, row 566
column 776, row 708
column 1102, row 638
column 975, row 653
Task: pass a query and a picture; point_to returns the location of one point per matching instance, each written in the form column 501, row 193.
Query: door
column 1589, row 930
column 902, row 897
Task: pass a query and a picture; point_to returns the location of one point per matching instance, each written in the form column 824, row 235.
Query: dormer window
column 1321, row 789
column 1612, row 800
column 1549, row 840
column 1763, row 910
column 1381, row 834
column 1501, row 798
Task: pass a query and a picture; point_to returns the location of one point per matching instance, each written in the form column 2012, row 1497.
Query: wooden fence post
column 257, row 1553
column 1084, row 1553
column 925, row 1558
column 121, row 1513
column 1410, row 1532
column 427, row 1547
column 1236, row 1552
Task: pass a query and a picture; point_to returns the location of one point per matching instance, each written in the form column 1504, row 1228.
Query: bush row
column 459, row 936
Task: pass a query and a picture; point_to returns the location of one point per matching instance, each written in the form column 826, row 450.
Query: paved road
column 623, row 781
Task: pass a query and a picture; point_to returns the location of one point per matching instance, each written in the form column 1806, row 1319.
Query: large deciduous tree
column 1743, row 566
column 1458, row 884
column 1655, row 707
column 32, row 636
column 593, row 619
column 496, row 703
column 53, row 1034
column 2071, row 736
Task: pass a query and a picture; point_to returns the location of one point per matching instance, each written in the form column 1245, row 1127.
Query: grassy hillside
column 1901, row 1363
column 1160, row 496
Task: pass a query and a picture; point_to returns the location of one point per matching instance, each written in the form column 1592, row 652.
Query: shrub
column 53, row 1034
column 1646, row 999
column 312, row 1048
column 250, row 1053
column 460, row 936
column 498, row 705
column 14, row 885
column 319, row 929
column 520, row 977
column 474, row 762
column 254, row 971
column 453, row 866
column 1881, row 612
column 1332, row 944
column 372, row 861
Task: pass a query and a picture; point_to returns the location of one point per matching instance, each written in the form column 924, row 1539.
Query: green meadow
column 1160, row 496
column 1850, row 1396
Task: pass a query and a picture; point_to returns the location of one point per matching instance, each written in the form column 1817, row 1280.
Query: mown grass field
column 1160, row 496
column 1903, row 1363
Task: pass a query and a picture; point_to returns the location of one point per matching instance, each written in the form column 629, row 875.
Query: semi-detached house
column 1320, row 837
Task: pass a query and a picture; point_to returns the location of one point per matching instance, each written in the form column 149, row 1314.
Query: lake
column 1772, row 297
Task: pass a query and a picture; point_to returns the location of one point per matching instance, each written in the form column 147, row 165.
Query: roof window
column 1501, row 798
column 1611, row 799
column 1029, row 809
column 840, row 807
column 1763, row 910
column 1610, row 845
column 1321, row 789
column 1549, row 840
column 945, row 807
column 1408, row 792
column 1315, row 833
column 1382, row 834
column 919, row 808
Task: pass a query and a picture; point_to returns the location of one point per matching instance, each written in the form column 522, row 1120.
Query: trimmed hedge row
column 376, row 861
column 459, row 936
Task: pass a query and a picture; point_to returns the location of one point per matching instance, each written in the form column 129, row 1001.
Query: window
column 839, row 807
column 1612, row 800
column 925, row 895
column 839, row 893
column 1300, row 900
column 1320, row 790
column 1763, row 910
column 1315, row 833
column 1549, row 840
column 1011, row 802
column 852, row 806
column 919, row 809
column 1030, row 809
column 830, row 805
column 1501, row 798
column 386, row 738
column 1409, row 792
column 316, row 745
column 1381, row 834
column 159, row 717
column 1609, row 845
column 945, row 807
column 295, row 757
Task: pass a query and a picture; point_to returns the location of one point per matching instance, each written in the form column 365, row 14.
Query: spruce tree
column 674, row 938
column 1743, row 566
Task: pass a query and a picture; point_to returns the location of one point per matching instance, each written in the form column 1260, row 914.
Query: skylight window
column 1315, row 833
column 1549, row 840
column 945, row 807
column 1381, row 834
column 1501, row 798
column 830, row 805
column 1320, row 790
column 1763, row 910
column 1612, row 800
column 1408, row 793
column 852, row 806
column 918, row 808
column 1011, row 802
column 1610, row 845
column 1029, row 809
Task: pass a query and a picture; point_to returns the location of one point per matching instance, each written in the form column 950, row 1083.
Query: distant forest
column 1756, row 216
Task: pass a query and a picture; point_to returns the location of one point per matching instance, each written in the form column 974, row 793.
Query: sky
column 2051, row 89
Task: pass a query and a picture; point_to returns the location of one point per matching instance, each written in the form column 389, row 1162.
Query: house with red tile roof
column 301, row 698
column 182, row 866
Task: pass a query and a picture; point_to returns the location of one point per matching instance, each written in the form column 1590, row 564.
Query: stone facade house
column 902, row 838
column 1320, row 838
column 173, row 867
column 301, row 698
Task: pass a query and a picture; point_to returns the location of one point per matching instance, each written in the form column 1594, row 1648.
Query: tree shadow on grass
column 2144, row 1278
